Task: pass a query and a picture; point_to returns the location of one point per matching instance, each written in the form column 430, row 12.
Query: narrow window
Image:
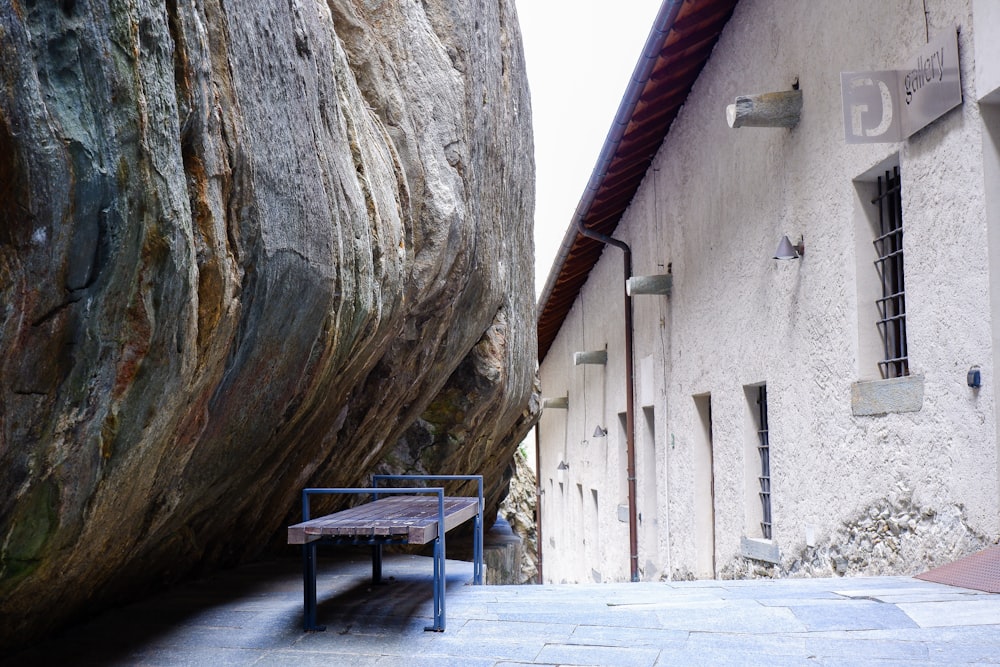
column 889, row 265
column 593, row 541
column 764, row 449
column 579, row 493
column 704, row 489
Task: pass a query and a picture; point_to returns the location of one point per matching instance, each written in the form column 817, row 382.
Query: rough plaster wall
column 595, row 463
column 721, row 201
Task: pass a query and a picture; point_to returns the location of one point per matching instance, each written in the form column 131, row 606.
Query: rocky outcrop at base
column 518, row 510
column 896, row 536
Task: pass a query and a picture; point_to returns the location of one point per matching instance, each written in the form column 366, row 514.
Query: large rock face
column 245, row 247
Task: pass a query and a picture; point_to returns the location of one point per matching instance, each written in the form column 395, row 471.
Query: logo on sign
column 890, row 105
column 871, row 106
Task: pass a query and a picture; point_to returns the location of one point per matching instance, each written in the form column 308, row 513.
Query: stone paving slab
column 252, row 616
column 600, row 635
column 603, row 656
column 933, row 614
column 851, row 615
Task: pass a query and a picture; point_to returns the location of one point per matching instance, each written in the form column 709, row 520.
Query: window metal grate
column 764, row 449
column 892, row 305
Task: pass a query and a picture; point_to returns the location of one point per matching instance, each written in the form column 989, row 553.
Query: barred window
column 889, row 265
column 764, row 449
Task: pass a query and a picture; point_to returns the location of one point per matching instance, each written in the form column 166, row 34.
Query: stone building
column 830, row 413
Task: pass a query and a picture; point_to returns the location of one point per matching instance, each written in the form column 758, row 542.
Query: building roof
column 680, row 42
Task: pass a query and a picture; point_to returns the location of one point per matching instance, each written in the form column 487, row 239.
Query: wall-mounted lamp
column 658, row 284
column 780, row 109
column 562, row 466
column 788, row 251
column 975, row 378
column 600, row 432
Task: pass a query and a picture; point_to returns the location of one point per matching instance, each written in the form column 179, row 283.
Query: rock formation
column 246, row 247
column 519, row 510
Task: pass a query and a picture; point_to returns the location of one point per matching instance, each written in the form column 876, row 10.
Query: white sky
column 580, row 55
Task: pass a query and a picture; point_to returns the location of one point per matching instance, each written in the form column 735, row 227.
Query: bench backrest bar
column 477, row 478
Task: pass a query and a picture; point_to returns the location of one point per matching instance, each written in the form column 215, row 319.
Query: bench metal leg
column 377, row 564
column 477, row 551
column 439, row 586
column 442, row 583
column 309, row 588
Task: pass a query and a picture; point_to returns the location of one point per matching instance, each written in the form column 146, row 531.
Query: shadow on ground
column 216, row 611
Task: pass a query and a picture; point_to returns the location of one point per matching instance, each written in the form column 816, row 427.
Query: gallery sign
column 890, row 105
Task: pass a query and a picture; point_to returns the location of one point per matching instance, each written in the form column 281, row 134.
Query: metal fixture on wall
column 600, row 431
column 561, row 472
column 556, row 403
column 975, row 377
column 597, row 357
column 658, row 284
column 780, row 109
column 788, row 251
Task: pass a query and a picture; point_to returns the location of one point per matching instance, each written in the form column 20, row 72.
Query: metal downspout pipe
column 633, row 532
column 643, row 69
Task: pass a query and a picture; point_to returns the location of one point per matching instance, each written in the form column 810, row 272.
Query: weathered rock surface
column 518, row 509
column 246, row 247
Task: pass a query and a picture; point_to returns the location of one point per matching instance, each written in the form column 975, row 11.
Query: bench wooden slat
column 414, row 517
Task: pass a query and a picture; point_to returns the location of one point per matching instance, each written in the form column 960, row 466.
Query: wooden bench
column 412, row 515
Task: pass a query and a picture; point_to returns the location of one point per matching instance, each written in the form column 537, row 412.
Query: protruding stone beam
column 660, row 284
column 781, row 109
column 557, row 403
column 599, row 357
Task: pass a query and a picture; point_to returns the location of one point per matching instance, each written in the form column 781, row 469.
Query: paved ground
column 252, row 616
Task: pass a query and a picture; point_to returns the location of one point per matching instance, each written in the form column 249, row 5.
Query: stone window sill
column 880, row 397
column 760, row 549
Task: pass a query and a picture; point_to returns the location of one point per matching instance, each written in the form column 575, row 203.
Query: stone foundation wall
column 894, row 537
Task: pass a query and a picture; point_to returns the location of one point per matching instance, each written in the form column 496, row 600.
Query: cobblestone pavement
column 252, row 616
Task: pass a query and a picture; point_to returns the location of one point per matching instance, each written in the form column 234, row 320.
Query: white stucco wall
column 713, row 209
column 986, row 16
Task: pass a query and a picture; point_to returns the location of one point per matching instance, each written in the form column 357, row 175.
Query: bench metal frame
column 378, row 541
